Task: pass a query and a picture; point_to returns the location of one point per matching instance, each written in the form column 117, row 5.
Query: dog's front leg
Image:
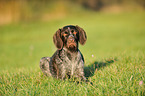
column 63, row 73
column 60, row 72
column 80, row 71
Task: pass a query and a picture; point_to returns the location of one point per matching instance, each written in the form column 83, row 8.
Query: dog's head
column 69, row 36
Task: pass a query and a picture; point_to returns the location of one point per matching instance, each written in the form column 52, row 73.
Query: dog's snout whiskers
column 71, row 38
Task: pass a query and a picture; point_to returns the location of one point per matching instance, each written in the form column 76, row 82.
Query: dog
column 67, row 61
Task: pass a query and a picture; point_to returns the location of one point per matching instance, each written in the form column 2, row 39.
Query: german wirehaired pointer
column 67, row 61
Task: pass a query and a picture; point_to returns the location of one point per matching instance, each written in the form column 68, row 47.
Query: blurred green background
column 45, row 10
column 27, row 28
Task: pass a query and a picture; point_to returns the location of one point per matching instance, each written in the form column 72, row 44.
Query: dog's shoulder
column 63, row 56
column 81, row 55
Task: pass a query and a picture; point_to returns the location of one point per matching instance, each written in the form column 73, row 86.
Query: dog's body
column 67, row 61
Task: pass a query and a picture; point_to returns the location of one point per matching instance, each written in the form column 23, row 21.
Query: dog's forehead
column 69, row 27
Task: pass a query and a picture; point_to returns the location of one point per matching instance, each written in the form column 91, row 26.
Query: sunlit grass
column 117, row 66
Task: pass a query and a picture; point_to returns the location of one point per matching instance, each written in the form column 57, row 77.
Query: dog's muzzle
column 71, row 39
column 71, row 42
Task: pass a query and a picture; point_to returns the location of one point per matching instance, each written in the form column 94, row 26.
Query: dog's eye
column 72, row 31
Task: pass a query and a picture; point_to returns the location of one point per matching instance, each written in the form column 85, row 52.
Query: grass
column 114, row 56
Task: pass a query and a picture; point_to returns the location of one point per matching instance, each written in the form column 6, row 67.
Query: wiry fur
column 67, row 61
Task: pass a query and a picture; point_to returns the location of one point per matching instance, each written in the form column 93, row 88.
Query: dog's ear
column 82, row 35
column 57, row 39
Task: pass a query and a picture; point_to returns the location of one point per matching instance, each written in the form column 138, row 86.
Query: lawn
column 114, row 56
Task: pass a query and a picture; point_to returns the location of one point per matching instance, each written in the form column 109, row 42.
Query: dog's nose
column 71, row 38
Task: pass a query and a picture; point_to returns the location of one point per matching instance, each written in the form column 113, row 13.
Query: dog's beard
column 72, row 46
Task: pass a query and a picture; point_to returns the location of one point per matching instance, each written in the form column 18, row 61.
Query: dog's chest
column 71, row 62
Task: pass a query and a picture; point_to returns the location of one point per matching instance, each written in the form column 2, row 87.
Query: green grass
column 117, row 42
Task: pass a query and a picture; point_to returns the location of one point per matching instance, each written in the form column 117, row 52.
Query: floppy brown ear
column 82, row 35
column 57, row 39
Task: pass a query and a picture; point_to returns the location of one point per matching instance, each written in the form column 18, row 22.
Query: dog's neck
column 72, row 55
column 71, row 51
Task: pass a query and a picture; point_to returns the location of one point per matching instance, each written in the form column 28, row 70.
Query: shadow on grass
column 90, row 70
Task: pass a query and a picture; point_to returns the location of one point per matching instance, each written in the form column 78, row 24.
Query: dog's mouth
column 72, row 46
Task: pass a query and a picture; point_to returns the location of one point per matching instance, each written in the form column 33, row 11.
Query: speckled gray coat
column 67, row 61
